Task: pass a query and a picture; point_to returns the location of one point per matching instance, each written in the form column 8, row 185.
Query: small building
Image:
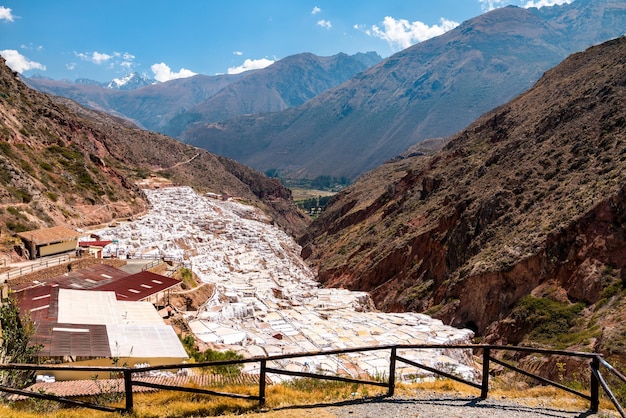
column 49, row 241
column 94, row 248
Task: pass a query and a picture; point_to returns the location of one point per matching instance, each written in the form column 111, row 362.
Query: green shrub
column 6, row 149
column 548, row 320
column 213, row 355
column 21, row 195
column 15, row 212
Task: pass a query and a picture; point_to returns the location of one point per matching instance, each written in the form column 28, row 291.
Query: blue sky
column 164, row 39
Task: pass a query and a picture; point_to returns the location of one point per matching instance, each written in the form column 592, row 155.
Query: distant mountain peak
column 131, row 81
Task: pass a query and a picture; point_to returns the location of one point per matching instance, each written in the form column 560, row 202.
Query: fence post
column 392, row 372
column 484, row 391
column 128, row 388
column 595, row 385
column 262, row 383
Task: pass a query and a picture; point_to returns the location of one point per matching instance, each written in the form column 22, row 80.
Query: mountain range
column 171, row 106
column 432, row 89
column 131, row 81
column 516, row 228
column 307, row 116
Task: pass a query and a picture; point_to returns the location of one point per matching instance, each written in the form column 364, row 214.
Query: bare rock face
column 528, row 200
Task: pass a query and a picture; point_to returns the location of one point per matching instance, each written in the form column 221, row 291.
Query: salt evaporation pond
column 267, row 301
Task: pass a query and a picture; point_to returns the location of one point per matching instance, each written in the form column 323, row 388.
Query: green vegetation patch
column 313, row 204
column 213, row 355
column 74, row 164
column 328, row 183
column 548, row 321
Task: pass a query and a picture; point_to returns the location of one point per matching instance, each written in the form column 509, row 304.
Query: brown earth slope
column 61, row 164
column 528, row 200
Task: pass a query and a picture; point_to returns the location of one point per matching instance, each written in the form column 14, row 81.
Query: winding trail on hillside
column 179, row 163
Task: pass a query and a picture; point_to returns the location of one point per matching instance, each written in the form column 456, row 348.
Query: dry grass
column 173, row 404
column 308, row 397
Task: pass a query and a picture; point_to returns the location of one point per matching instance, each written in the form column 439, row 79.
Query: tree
column 16, row 344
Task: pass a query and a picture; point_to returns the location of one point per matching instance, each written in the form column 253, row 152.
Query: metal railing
column 596, row 379
column 41, row 264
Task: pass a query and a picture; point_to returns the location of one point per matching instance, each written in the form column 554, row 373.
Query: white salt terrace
column 267, row 301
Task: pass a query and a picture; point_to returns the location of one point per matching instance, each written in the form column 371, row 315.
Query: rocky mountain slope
column 61, row 164
column 516, row 228
column 432, row 89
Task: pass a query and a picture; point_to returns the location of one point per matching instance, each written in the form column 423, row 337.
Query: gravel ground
column 444, row 406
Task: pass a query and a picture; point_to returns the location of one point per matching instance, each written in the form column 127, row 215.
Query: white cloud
column 316, row 10
column 542, row 3
column 18, row 62
column 71, row 66
column 324, row 23
column 238, row 53
column 163, row 73
column 95, row 57
column 127, row 61
column 251, row 65
column 402, row 34
column 115, row 60
column 494, row 4
column 6, row 14
column 31, row 47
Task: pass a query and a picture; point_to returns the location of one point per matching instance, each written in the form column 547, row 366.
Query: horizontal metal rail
column 439, row 372
column 49, row 397
column 325, row 377
column 596, row 378
column 194, row 390
column 541, row 379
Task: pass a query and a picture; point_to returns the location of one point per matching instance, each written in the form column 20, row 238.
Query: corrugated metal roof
column 103, row 277
column 59, row 339
column 90, row 277
column 49, row 235
column 145, row 341
column 65, row 338
column 79, row 340
column 139, row 313
column 85, row 278
column 88, row 307
column 139, row 286
column 36, row 301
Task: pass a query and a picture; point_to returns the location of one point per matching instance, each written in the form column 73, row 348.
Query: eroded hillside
column 518, row 224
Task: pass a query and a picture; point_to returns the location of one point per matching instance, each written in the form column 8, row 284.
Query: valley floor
column 266, row 300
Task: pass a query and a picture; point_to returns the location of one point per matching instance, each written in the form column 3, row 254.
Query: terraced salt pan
column 268, row 301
